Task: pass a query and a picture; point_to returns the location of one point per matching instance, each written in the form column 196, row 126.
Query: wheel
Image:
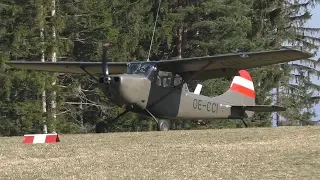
column 163, row 125
column 101, row 127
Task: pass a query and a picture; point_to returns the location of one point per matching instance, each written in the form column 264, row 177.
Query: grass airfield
column 252, row 153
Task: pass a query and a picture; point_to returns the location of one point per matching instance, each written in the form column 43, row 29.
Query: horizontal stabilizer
column 264, row 108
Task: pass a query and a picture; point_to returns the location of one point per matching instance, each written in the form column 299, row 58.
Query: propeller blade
column 105, row 70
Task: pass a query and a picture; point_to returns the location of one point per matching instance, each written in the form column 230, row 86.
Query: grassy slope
column 273, row 153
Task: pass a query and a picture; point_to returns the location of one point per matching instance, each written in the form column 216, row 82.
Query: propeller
column 105, row 69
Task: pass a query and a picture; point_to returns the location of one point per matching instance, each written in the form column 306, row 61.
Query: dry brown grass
column 264, row 153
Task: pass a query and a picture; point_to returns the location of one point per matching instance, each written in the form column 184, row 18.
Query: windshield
column 148, row 69
column 132, row 67
column 139, row 68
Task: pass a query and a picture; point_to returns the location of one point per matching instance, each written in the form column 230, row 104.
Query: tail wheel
column 163, row 125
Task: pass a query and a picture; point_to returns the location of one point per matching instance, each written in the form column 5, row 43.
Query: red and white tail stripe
column 243, row 84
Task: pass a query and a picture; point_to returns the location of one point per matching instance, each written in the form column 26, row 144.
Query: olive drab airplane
column 139, row 87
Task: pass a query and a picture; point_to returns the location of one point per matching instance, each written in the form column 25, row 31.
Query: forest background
column 73, row 30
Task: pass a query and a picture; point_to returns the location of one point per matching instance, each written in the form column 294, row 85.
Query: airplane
column 138, row 86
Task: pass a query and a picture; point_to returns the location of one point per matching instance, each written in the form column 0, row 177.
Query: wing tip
column 302, row 53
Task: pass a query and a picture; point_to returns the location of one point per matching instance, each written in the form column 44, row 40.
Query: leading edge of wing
column 302, row 54
column 234, row 60
column 69, row 67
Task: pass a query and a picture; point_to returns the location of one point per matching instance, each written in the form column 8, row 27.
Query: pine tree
column 88, row 25
column 278, row 23
column 20, row 39
column 31, row 30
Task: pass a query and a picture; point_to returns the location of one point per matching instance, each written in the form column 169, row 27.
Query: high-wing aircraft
column 139, row 87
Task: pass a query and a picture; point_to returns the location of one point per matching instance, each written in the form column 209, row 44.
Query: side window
column 165, row 79
column 151, row 72
column 177, row 80
column 158, row 81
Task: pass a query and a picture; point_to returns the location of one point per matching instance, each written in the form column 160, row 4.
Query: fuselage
column 140, row 93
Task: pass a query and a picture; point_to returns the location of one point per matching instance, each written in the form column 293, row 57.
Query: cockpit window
column 143, row 68
column 167, row 79
column 152, row 73
column 149, row 70
column 132, row 67
column 139, row 68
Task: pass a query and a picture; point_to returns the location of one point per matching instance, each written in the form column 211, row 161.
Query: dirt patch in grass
column 253, row 153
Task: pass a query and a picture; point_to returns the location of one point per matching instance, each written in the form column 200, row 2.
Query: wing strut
column 181, row 84
column 89, row 74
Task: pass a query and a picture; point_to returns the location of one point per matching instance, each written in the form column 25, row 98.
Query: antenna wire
column 154, row 29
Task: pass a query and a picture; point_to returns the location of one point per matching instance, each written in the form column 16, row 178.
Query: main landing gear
column 245, row 124
column 162, row 125
column 102, row 126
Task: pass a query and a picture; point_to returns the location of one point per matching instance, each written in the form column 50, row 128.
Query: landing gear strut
column 245, row 124
column 162, row 125
column 102, row 126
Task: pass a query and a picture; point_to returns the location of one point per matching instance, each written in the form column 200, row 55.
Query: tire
column 101, row 127
column 163, row 125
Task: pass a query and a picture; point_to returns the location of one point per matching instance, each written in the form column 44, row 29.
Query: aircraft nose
column 116, row 79
column 112, row 89
column 111, row 79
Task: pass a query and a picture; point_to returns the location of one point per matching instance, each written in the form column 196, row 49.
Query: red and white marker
column 243, row 84
column 40, row 138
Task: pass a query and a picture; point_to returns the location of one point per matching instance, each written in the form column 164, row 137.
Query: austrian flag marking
column 243, row 84
column 40, row 138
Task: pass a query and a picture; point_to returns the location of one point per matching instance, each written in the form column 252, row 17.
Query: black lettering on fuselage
column 214, row 107
column 195, row 103
column 199, row 104
column 210, row 107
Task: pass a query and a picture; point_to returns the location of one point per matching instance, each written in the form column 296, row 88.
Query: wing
column 228, row 65
column 218, row 66
column 70, row 67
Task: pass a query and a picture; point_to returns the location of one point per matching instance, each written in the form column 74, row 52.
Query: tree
column 20, row 39
column 75, row 30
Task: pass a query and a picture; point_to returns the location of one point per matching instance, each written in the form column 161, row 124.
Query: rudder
column 241, row 91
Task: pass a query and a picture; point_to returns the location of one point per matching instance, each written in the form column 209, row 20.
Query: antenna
column 154, row 29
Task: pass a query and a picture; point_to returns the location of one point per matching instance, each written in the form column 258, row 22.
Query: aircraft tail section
column 241, row 91
column 241, row 96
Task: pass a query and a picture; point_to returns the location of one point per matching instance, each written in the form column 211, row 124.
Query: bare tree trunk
column 44, row 101
column 277, row 94
column 53, row 59
column 179, row 44
column 81, row 108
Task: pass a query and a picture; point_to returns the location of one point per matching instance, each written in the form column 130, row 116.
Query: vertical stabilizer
column 241, row 91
